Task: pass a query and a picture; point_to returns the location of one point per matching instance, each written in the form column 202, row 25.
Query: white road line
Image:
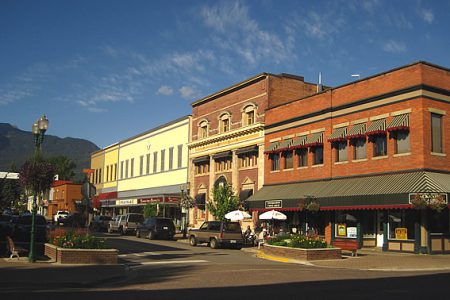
column 173, row 262
column 140, row 254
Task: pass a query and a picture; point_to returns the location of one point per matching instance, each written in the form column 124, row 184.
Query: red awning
column 110, row 195
column 96, row 202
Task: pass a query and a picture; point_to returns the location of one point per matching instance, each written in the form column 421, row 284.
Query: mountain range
column 17, row 145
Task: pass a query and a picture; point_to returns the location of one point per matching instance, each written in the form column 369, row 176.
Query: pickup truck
column 124, row 224
column 217, row 234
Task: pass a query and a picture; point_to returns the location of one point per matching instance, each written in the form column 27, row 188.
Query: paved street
column 170, row 269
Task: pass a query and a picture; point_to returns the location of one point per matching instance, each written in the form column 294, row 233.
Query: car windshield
column 136, row 218
column 165, row 222
column 231, row 227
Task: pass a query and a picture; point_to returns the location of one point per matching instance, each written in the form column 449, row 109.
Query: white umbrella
column 272, row 215
column 237, row 215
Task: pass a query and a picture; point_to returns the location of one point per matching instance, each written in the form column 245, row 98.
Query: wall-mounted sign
column 401, row 233
column 341, row 229
column 108, row 203
column 126, row 202
column 273, row 204
column 158, row 200
column 352, row 232
column 429, row 197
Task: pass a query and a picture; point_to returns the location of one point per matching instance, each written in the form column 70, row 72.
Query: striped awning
column 299, row 141
column 272, row 147
column 377, row 127
column 400, row 122
column 314, row 139
column 357, row 131
column 285, row 144
column 338, row 135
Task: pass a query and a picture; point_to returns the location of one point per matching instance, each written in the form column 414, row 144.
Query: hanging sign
column 273, row 204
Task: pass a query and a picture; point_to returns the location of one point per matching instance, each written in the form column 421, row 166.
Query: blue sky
column 108, row 70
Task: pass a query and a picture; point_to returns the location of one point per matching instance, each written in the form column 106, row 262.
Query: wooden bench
column 349, row 245
column 13, row 249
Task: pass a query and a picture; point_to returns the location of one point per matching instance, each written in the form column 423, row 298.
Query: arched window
column 225, row 122
column 249, row 115
column 203, row 129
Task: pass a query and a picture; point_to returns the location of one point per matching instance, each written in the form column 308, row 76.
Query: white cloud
column 426, row 15
column 187, row 92
column 165, row 90
column 394, row 47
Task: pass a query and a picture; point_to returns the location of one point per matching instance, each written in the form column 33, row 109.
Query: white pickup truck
column 60, row 214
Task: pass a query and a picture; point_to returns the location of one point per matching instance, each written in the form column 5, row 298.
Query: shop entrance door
column 380, row 235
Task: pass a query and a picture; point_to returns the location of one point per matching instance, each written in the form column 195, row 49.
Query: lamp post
column 38, row 129
column 186, row 202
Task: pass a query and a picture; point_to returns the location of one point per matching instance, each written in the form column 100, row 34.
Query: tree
column 64, row 167
column 150, row 210
column 37, row 175
column 223, row 201
column 10, row 191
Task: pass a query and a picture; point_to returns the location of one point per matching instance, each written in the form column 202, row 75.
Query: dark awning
column 246, row 150
column 299, row 141
column 357, row 131
column 369, row 191
column 200, row 199
column 285, row 144
column 200, row 159
column 377, row 126
column 224, row 154
column 314, row 139
column 400, row 122
column 244, row 194
column 272, row 147
column 338, row 135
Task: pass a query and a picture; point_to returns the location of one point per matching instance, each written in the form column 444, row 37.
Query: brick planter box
column 303, row 254
column 81, row 256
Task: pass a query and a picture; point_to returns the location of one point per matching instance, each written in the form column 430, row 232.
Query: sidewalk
column 373, row 260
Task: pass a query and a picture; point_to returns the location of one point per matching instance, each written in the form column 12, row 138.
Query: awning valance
column 299, row 141
column 314, row 139
column 285, row 144
column 244, row 194
column 201, row 159
column 400, row 122
column 377, row 127
column 338, row 135
column 273, row 146
column 357, row 131
column 246, row 150
column 224, row 154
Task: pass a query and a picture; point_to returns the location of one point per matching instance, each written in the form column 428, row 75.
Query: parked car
column 100, row 223
column 156, row 228
column 60, row 214
column 126, row 223
column 21, row 229
column 217, row 234
column 74, row 219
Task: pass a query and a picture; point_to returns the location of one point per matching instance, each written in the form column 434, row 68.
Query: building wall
column 111, row 161
column 165, row 137
column 313, row 113
column 97, row 164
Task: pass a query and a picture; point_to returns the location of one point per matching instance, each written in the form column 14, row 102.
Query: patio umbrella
column 272, row 215
column 237, row 215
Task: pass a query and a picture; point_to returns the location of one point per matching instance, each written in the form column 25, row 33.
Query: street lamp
column 186, row 202
column 38, row 129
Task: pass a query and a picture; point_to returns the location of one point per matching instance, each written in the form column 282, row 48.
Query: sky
column 106, row 70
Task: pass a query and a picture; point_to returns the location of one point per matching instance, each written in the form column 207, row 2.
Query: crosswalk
column 140, row 259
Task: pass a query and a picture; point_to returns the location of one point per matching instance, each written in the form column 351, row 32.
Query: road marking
column 141, row 254
column 173, row 262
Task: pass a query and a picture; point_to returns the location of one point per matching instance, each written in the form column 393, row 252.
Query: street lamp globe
column 43, row 123
column 35, row 128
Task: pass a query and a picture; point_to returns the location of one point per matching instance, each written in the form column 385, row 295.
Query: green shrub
column 74, row 240
column 298, row 241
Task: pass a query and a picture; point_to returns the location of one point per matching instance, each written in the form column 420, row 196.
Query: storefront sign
column 108, row 203
column 352, row 232
column 429, row 197
column 401, row 233
column 127, row 202
column 159, row 200
column 273, row 204
column 342, row 230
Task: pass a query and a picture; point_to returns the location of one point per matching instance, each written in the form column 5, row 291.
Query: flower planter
column 81, row 256
column 301, row 253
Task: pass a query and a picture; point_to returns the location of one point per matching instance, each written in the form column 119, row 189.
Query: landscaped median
column 77, row 247
column 300, row 248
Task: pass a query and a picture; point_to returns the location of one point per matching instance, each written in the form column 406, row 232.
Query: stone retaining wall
column 81, row 256
column 302, row 254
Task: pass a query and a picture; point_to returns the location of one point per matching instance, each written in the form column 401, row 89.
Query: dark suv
column 156, row 227
column 218, row 234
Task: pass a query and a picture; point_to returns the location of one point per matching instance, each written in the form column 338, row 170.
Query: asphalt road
column 175, row 270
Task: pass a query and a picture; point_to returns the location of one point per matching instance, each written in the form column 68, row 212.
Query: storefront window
column 439, row 221
column 401, row 224
column 368, row 226
column 346, row 222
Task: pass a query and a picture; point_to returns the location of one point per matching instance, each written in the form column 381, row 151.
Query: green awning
column 400, row 122
column 285, row 144
column 314, row 139
column 299, row 141
column 357, row 131
column 377, row 126
column 370, row 190
column 272, row 147
column 338, row 134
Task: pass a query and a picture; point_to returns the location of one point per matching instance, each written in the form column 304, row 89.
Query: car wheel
column 120, row 230
column 213, row 244
column 151, row 235
column 109, row 229
column 192, row 241
column 138, row 234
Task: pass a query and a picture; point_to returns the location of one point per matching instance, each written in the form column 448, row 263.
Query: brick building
column 227, row 136
column 63, row 195
column 357, row 161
